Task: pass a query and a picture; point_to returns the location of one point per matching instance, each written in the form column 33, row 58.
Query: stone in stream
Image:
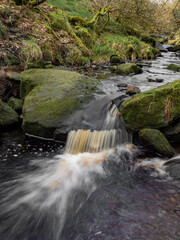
column 158, row 80
column 153, row 138
column 132, row 90
column 161, row 48
column 7, row 115
column 173, row 167
column 174, row 48
column 126, row 69
column 174, row 67
column 122, row 85
column 51, row 96
column 157, row 108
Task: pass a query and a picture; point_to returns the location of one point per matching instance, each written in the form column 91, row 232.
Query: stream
column 123, row 193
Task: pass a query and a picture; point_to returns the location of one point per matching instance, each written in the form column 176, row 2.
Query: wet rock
column 154, row 139
column 173, row 167
column 157, row 108
column 161, row 48
column 173, row 132
column 51, row 96
column 174, row 48
column 126, row 69
column 122, row 85
column 7, row 115
column 132, row 90
column 159, row 80
column 16, row 104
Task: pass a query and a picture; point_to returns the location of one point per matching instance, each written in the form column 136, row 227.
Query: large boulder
column 126, row 69
column 51, row 96
column 7, row 115
column 156, row 108
column 154, row 139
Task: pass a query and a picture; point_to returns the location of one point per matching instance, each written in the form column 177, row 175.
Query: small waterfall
column 97, row 141
column 87, row 141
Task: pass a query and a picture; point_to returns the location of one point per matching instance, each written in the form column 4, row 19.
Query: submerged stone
column 156, row 140
column 7, row 115
column 51, row 96
column 156, row 108
column 126, row 69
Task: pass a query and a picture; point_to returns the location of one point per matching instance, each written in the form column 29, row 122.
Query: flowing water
column 97, row 187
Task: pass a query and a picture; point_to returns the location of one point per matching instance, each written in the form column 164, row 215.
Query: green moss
column 155, row 139
column 127, row 68
column 153, row 109
column 174, row 67
column 7, row 115
column 51, row 96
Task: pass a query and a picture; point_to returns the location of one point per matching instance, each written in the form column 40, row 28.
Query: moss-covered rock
column 7, row 115
column 148, row 39
column 156, row 108
column 174, row 48
column 115, row 59
column 174, row 67
column 126, row 69
column 15, row 103
column 155, row 139
column 51, row 96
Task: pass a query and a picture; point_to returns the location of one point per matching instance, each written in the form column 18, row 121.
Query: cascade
column 94, row 141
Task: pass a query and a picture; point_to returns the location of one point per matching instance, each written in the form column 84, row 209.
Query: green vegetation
column 73, row 7
column 78, row 32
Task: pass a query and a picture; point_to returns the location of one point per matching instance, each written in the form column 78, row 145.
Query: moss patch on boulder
column 51, row 96
column 155, row 139
column 126, row 69
column 7, row 115
column 174, row 67
column 156, row 108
